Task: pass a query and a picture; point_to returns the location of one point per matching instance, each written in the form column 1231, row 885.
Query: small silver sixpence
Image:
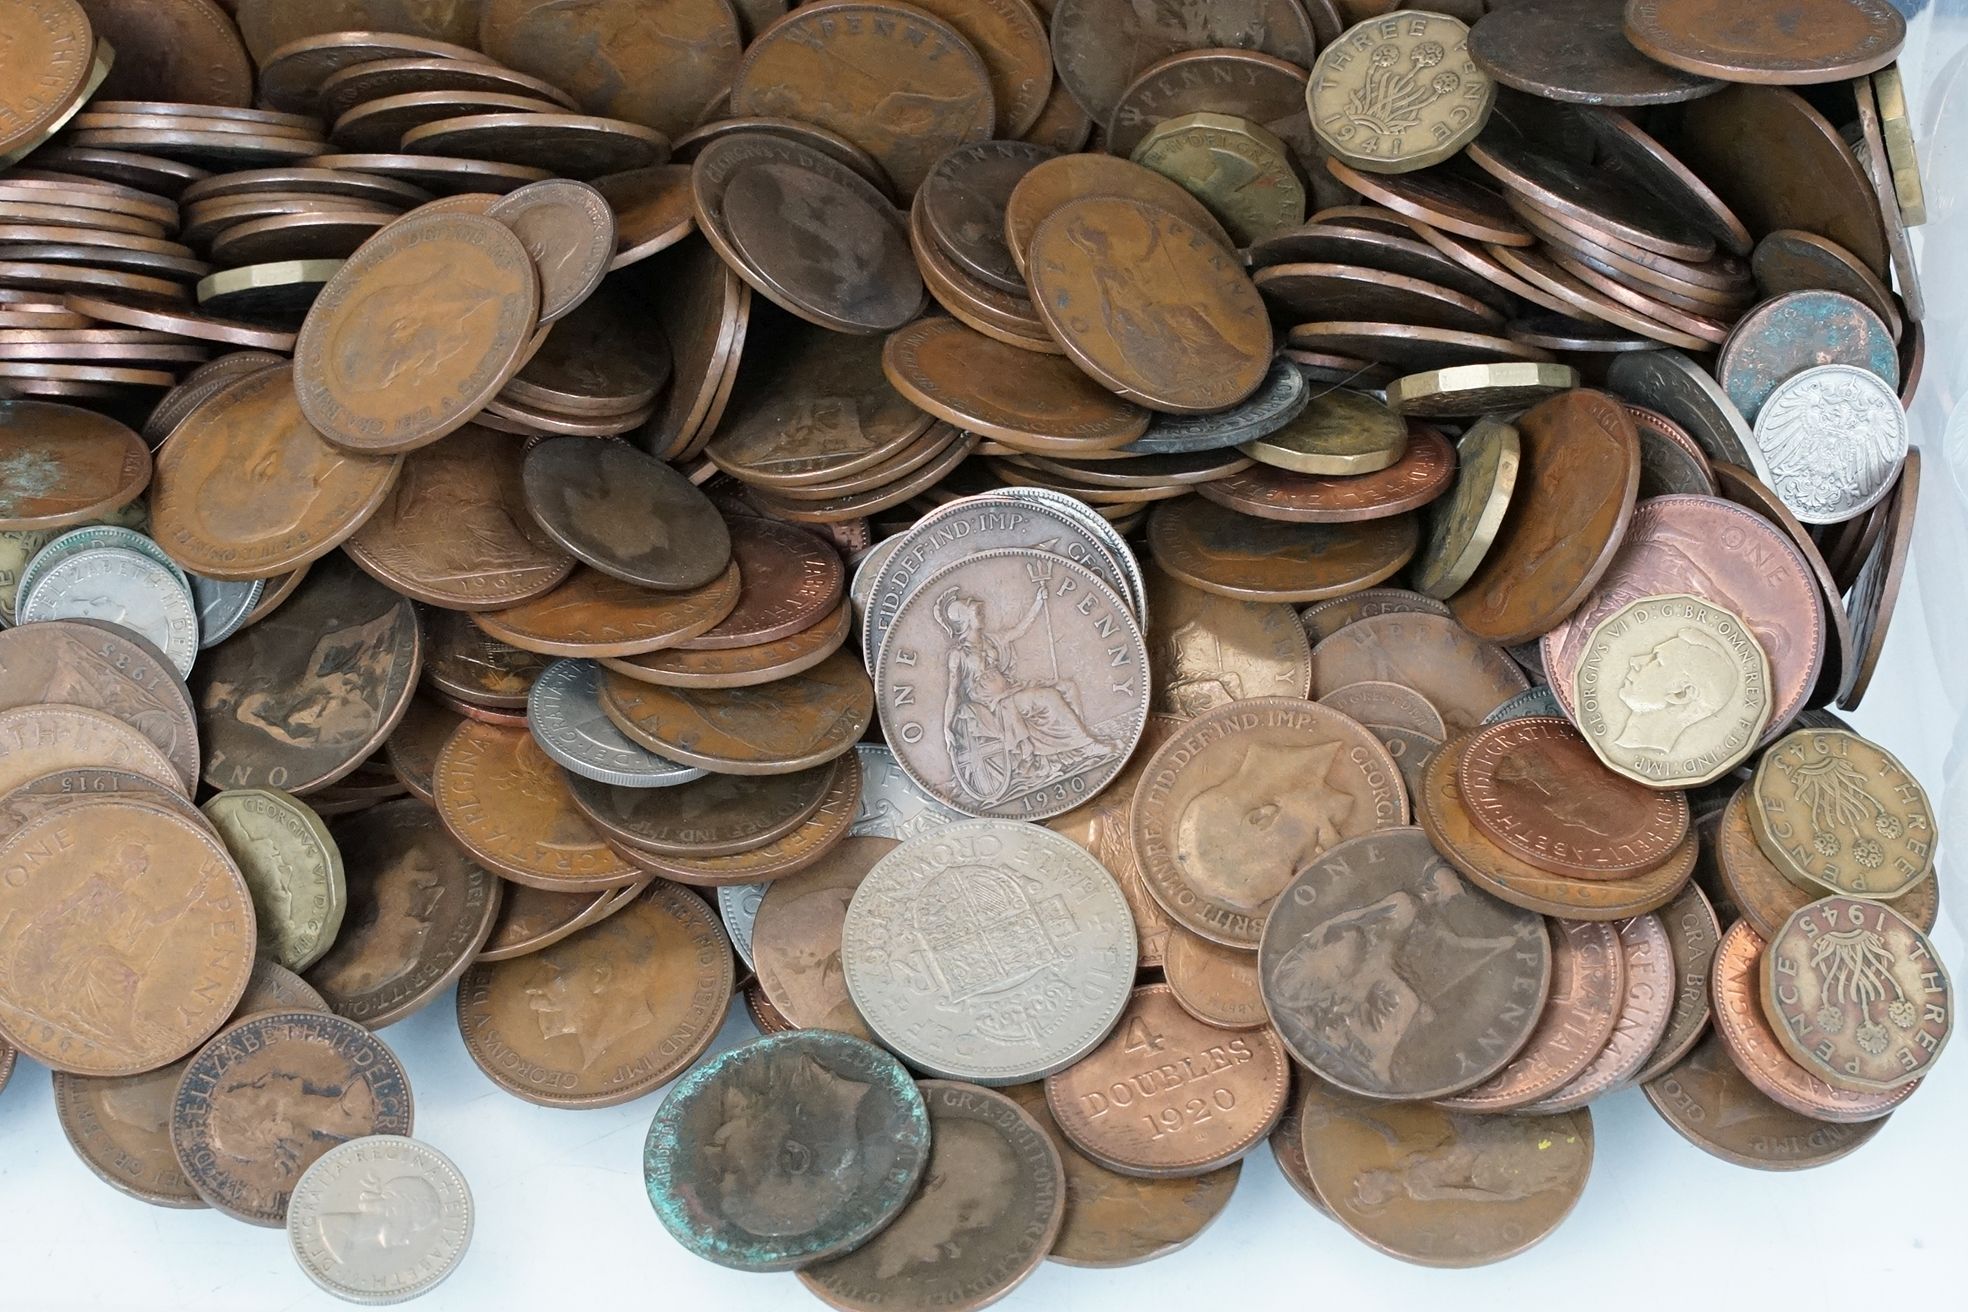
column 223, row 606
column 123, row 588
column 380, row 1220
column 563, row 709
column 738, row 904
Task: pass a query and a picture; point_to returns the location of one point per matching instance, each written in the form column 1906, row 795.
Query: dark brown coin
column 1461, row 676
column 1406, row 348
column 1425, row 471
column 607, row 1014
column 719, row 815
column 796, row 938
column 1382, row 926
column 1396, row 253
column 1805, row 41
column 1693, row 934
column 779, row 728
column 816, row 836
column 300, row 700
column 592, row 615
column 832, row 144
column 1576, row 53
column 415, row 742
column 1234, row 555
column 411, row 74
column 1070, row 177
column 789, row 581
column 1339, row 291
column 1789, row 260
column 992, row 1202
column 61, row 466
column 462, row 663
column 569, row 230
column 577, row 145
column 270, row 1094
column 418, row 912
column 964, row 198
column 626, row 513
column 1713, row 1105
column 105, row 668
column 1100, row 46
column 652, row 210
column 531, row 918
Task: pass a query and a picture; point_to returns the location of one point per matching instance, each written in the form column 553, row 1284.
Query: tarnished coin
column 1577, row 54
column 593, row 616
column 1713, row 1105
column 1325, row 618
column 605, row 1015
column 1102, row 827
column 419, row 910
column 1240, row 169
column 1396, row 94
column 798, row 944
column 1281, row 398
column 625, row 513
column 1791, row 260
column 1464, row 525
column 223, row 606
column 1167, row 1095
column 788, row 581
column 1339, row 433
column 1670, row 462
column 664, row 70
column 1693, row 934
column 1443, row 1188
column 1806, row 41
column 457, row 299
column 812, row 840
column 746, row 666
column 777, row 728
column 1461, row 677
column 563, row 710
column 531, row 918
column 379, row 1220
column 1214, row 650
column 1796, row 331
column 124, row 588
column 1059, row 181
column 1119, row 1220
column 1673, row 691
column 299, row 701
column 786, row 1150
column 1235, row 555
column 988, row 912
column 1645, row 1009
column 60, row 465
column 1387, row 705
column 963, row 201
column 714, row 815
column 1232, row 807
column 293, row 869
column 463, row 663
column 1834, row 438
column 1382, row 926
column 102, row 668
column 1215, row 984
column 569, row 230
column 269, row 1095
column 1675, row 386
column 1100, row 46
column 51, row 59
column 992, row 1201
column 1835, row 812
column 506, row 802
column 41, row 739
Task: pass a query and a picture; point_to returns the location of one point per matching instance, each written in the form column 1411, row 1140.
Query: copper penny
column 1382, row 925
column 462, row 663
column 1380, row 705
column 1399, row 252
column 40, row 739
column 1743, row 1025
column 1576, row 54
column 1102, row 827
column 652, row 210
column 418, row 912
column 743, row 667
column 377, row 79
column 1215, row 984
column 592, row 615
column 605, row 359
column 788, row 581
column 1149, row 305
column 1425, row 471
column 1100, row 46
column 577, row 145
column 1713, row 1105
column 1288, row 1146
column 815, row 837
column 779, row 728
column 1117, row 1220
column 459, row 352
column 819, row 62
column 718, row 815
column 1324, row 618
column 1578, row 474
column 1876, row 589
column 432, row 173
column 1214, row 650
column 1534, row 787
column 664, row 70
column 1646, row 1008
column 1693, row 932
column 51, row 60
column 1234, row 555
column 104, row 668
column 1731, row 556
column 1841, row 653
column 1463, row 678
column 415, row 742
column 569, row 231
column 1790, row 260
column 1247, row 84
column 506, row 802
column 992, row 1201
column 796, row 937
column 1443, row 1188
column 626, row 514
column 531, row 918
column 832, row 144
column 61, row 466
column 607, row 1014
column 1203, row 857
column 1454, row 202
column 1450, row 826
column 1801, row 41
column 1057, row 182
column 964, row 200
column 1167, row 1095
column 1405, row 348
column 1297, row 291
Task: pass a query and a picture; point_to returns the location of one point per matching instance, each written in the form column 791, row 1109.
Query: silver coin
column 1667, row 469
column 1135, row 591
column 1282, row 398
column 380, row 1219
column 88, row 538
column 891, row 805
column 223, row 606
column 989, row 951
column 1835, row 437
column 738, row 904
column 867, row 571
column 563, row 709
column 962, row 528
column 1671, row 383
column 1538, row 701
column 123, row 588
column 1013, row 684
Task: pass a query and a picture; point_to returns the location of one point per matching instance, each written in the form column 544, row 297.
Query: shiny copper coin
column 1215, row 984
column 53, row 62
column 718, row 815
column 816, row 836
column 796, row 939
column 592, row 615
column 1713, row 1105
column 299, row 702
column 1234, row 555
column 1424, row 472
column 780, row 728
column 1841, row 653
column 61, row 466
column 788, row 581
column 104, row 668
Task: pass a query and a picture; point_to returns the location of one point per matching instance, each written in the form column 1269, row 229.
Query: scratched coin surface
column 61, row 465
column 1099, row 46
column 1805, row 41
column 786, row 1150
column 1381, row 926
column 989, row 951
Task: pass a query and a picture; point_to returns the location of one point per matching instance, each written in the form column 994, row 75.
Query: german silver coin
column 122, row 588
column 1834, row 438
column 380, row 1220
column 563, row 709
column 223, row 606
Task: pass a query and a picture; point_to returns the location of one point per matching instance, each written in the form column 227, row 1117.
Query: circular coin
column 61, row 466
column 1713, row 1105
column 1577, row 54
column 776, row 728
column 1461, row 677
column 1463, row 526
column 400, row 1176
column 102, row 668
column 1799, row 440
column 625, row 513
column 1645, row 1010
column 1234, row 555
column 1804, row 41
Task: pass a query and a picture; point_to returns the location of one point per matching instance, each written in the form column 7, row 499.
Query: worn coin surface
column 1799, row 330
column 949, row 931
column 1240, row 169
column 1339, row 432
column 1693, row 934
column 569, row 231
column 1102, row 828
column 595, row 616
column 813, row 839
column 992, row 1201
column 1834, row 438
column 1100, row 46
column 563, row 711
column 1215, row 984
column 1382, row 926
column 1578, row 54
column 1230, row 809
column 506, row 802
column 1803, row 41
column 797, row 937
column 777, row 728
column 292, row 866
column 1713, row 1105
column 1399, row 92
column 625, row 513
column 1167, row 1095
column 1645, row 1009
column 788, row 582
column 379, row 1220
column 1461, row 677
column 1840, row 814
column 1767, row 897
column 1235, row 555
column 61, row 465
column 1003, row 392
column 101, row 668
column 38, row 740
column 1464, row 525
column 786, row 1150
column 1213, row 650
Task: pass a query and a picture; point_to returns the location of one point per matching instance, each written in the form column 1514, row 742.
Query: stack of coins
column 1136, row 589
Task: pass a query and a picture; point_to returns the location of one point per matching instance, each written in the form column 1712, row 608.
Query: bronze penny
column 1646, row 1008
column 963, row 201
column 1215, row 984
column 718, row 815
column 1790, row 260
column 1219, row 550
column 1670, row 462
column 626, row 514
column 819, row 62
column 652, row 210
column 1876, row 589
column 796, row 939
column 992, row 1201
column 40, row 739
column 1629, row 153
column 605, row 359
column 418, row 912
column 1247, row 84
column 685, row 148
column 1387, row 705
column 592, row 615
column 816, row 836
column 1381, row 925
column 1588, row 978
column 577, row 145
column 1400, row 252
column 1030, row 401
column 743, row 667
column 858, row 506
column 1405, row 348
column 1234, row 805
column 1534, row 786
column 183, row 323
column 1460, row 676
column 454, row 531
column 340, row 32
column 1713, row 1105
column 60, row 466
column 1057, row 182
column 1340, row 291
column 377, row 79
column 104, row 668
column 1425, row 471
column 300, row 701
column 788, row 581
column 121, row 1127
column 531, row 918
column 1117, row 1220
column 50, row 63
column 1578, row 473
column 1400, row 1176
column 1803, row 41
column 1149, row 305
column 1767, row 897
column 1166, row 1095
column 465, row 665
column 1577, row 54
column 1102, row 828
column 303, row 1081
column 780, row 728
column 1100, row 46
column 1744, row 1027
column 1325, row 618
column 607, row 1014
column 1288, row 1146
column 415, row 742
column 1212, row 650
column 460, row 353
column 1454, row 202
column 431, row 173
column 1693, row 933
column 58, row 788
column 569, row 231
column 1445, row 816
column 1730, row 556
column 508, row 805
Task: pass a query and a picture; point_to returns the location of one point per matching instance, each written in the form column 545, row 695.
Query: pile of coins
column 1135, row 584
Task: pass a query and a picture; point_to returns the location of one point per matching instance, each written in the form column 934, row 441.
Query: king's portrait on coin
column 781, row 1155
column 1673, row 686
